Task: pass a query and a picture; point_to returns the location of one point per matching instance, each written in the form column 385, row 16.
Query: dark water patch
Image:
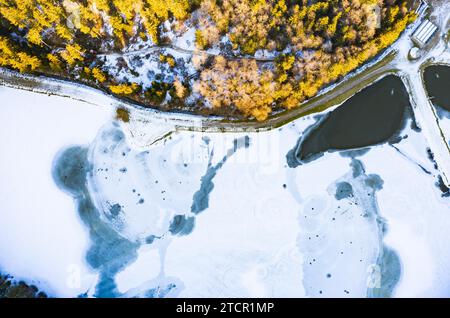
column 241, row 142
column 115, row 209
column 444, row 189
column 409, row 114
column 357, row 168
column 440, row 184
column 430, row 156
column 437, row 81
column 293, row 156
column 70, row 170
column 150, row 239
column 201, row 197
column 397, row 139
column 374, row 181
column 206, row 140
column 109, row 253
column 182, row 225
column 376, row 114
column 344, row 190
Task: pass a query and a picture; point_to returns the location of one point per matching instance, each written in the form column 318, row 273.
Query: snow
column 417, row 217
column 143, row 66
column 41, row 239
column 250, row 248
column 264, row 252
column 427, row 120
column 259, row 54
column 146, row 267
column 187, row 40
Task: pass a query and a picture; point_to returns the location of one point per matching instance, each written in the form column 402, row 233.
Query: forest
column 246, row 58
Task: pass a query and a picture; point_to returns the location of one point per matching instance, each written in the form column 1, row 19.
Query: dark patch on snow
column 444, row 189
column 354, row 153
column 115, row 209
column 109, row 253
column 374, row 181
column 182, row 225
column 343, row 190
column 374, row 116
column 386, row 276
column 123, row 170
column 201, row 197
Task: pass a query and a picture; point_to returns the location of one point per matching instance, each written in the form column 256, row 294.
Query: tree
column 10, row 56
column 72, row 53
column 98, row 75
column 54, row 62
column 124, row 89
column 238, row 84
column 314, row 42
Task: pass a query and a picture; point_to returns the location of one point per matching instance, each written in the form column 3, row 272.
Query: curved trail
column 179, row 49
column 333, row 95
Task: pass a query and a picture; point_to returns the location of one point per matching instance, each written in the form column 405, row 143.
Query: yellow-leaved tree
column 12, row 57
column 124, row 89
column 72, row 53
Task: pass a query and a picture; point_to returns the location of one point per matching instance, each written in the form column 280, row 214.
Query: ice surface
column 367, row 223
column 42, row 240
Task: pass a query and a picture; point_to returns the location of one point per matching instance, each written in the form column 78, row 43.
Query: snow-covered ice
column 41, row 239
column 211, row 214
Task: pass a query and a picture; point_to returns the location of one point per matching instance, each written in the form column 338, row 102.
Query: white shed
column 424, row 33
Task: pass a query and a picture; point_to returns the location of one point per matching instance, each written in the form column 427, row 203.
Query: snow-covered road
column 411, row 72
column 427, row 120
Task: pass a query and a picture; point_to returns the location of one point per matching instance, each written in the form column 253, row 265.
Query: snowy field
column 85, row 212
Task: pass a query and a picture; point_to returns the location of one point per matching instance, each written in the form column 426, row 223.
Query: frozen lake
column 87, row 213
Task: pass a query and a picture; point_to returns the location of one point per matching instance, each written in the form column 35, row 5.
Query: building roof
column 424, row 32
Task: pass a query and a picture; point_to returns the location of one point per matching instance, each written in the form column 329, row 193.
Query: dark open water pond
column 374, row 115
column 437, row 82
